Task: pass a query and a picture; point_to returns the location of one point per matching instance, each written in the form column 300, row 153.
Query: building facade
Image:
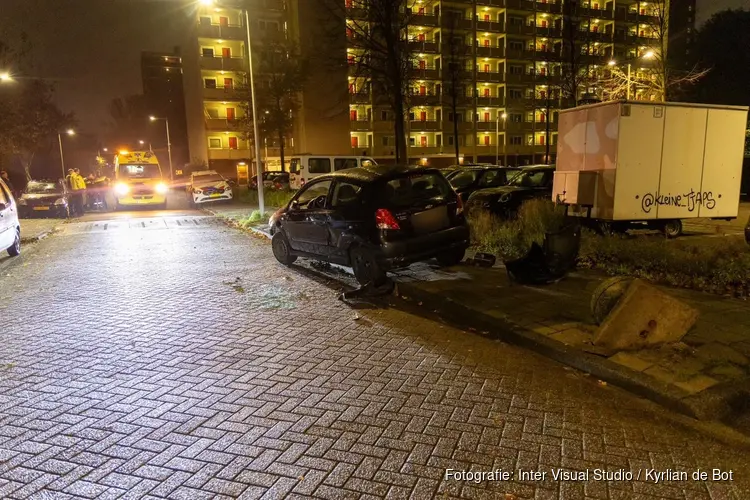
column 682, row 15
column 216, row 87
column 162, row 76
column 513, row 63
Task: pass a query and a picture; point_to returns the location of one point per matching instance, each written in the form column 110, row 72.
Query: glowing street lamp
column 5, row 77
column 648, row 55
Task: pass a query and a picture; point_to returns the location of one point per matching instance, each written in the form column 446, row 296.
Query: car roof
column 538, row 167
column 372, row 173
column 206, row 172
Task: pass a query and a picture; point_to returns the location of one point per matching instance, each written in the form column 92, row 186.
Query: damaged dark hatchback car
column 373, row 219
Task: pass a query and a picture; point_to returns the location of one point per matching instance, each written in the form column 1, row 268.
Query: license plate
column 41, row 208
column 216, row 195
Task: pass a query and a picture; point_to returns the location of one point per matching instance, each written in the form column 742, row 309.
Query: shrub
column 272, row 198
column 511, row 239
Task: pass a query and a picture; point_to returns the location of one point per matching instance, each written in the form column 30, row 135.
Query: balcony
column 228, row 31
column 596, row 13
column 229, row 154
column 485, row 102
column 423, row 20
column 520, row 54
column 517, row 102
column 426, row 47
column 221, row 93
column 428, row 99
column 596, row 36
column 549, row 8
column 489, row 77
column 490, row 126
column 490, row 51
column 359, row 98
column 360, row 125
column 490, row 26
column 549, row 31
column 491, row 3
column 520, row 29
column 426, row 150
column 426, row 125
column 425, row 74
column 222, row 63
column 222, row 124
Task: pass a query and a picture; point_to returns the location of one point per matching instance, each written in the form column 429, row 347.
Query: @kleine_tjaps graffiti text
column 691, row 200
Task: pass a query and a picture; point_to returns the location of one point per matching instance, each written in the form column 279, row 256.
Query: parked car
column 44, row 198
column 467, row 180
column 272, row 180
column 304, row 168
column 10, row 228
column 373, row 219
column 209, row 186
column 531, row 182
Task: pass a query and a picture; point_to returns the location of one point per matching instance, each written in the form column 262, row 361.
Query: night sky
column 706, row 8
column 91, row 48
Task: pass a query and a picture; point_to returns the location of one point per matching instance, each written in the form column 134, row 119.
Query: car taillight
column 384, row 219
column 459, row 205
column 277, row 185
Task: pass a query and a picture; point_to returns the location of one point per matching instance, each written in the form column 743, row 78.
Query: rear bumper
column 396, row 254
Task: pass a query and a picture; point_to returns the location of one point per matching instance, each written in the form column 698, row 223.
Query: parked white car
column 10, row 229
column 208, row 186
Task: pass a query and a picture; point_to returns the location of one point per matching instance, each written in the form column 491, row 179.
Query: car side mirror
column 3, row 206
column 294, row 205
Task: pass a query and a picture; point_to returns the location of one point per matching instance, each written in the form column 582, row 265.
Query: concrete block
column 697, row 383
column 631, row 361
column 645, row 317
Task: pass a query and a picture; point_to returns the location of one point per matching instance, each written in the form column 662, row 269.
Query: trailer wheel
column 672, row 228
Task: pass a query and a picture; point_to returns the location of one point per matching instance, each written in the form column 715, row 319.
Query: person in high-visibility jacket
column 78, row 185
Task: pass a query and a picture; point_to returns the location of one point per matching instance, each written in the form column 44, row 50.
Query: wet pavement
column 171, row 356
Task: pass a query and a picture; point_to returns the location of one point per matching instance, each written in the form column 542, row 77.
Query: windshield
column 208, row 178
column 462, row 178
column 529, row 178
column 416, row 190
column 142, row 171
column 43, row 188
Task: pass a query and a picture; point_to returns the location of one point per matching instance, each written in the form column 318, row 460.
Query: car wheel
column 672, row 228
column 451, row 257
column 366, row 268
column 15, row 249
column 281, row 249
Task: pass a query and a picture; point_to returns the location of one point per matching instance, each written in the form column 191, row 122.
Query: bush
column 511, row 239
column 718, row 265
column 272, row 198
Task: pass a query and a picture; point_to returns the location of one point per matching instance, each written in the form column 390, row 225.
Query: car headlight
column 122, row 189
column 61, row 201
column 162, row 188
column 197, row 191
column 21, row 201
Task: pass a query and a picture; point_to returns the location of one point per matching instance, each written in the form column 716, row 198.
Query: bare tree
column 658, row 80
column 455, row 72
column 377, row 30
column 282, row 73
column 575, row 50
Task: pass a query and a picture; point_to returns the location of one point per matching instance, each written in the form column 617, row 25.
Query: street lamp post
column 70, row 131
column 169, row 145
column 497, row 139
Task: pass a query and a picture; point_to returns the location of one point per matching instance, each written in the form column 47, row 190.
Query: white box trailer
column 626, row 162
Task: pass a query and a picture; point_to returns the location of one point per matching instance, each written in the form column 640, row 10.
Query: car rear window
column 416, row 189
column 462, row 178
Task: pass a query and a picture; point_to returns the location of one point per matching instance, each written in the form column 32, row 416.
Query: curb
column 38, row 237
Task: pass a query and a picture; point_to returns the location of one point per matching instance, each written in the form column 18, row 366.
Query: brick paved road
column 174, row 358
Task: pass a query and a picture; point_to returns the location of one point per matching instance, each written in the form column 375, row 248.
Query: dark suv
column 373, row 219
column 531, row 182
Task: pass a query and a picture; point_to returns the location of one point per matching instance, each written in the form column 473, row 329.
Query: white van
column 304, row 168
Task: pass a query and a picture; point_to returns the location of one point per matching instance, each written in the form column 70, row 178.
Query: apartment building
column 682, row 15
column 163, row 91
column 216, row 79
column 516, row 58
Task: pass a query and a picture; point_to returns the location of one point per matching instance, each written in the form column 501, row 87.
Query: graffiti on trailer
column 691, row 200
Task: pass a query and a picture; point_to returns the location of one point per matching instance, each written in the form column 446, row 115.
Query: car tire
column 672, row 228
column 15, row 249
column 451, row 257
column 281, row 249
column 366, row 269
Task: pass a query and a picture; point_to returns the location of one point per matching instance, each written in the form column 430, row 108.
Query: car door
column 7, row 218
column 347, row 218
column 305, row 223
